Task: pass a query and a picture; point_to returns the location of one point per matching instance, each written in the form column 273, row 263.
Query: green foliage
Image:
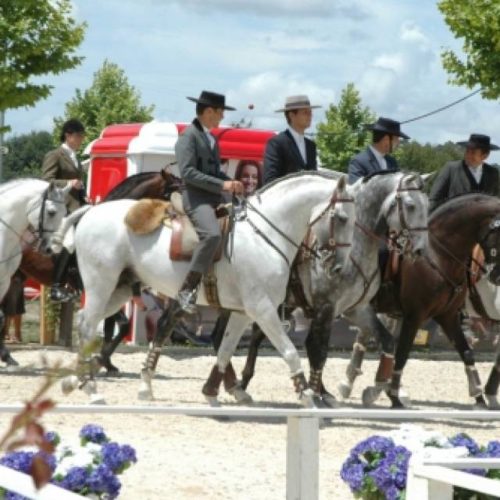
column 25, row 154
column 426, row 158
column 110, row 99
column 342, row 135
column 37, row 37
column 477, row 22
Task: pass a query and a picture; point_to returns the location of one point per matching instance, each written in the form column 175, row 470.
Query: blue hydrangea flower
column 117, row 457
column 53, row 438
column 10, row 495
column 493, row 449
column 18, row 460
column 92, row 433
column 373, row 445
column 75, row 479
column 463, row 439
column 353, row 473
column 103, row 480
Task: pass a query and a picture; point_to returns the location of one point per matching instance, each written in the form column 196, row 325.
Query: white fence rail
column 435, row 479
column 302, row 436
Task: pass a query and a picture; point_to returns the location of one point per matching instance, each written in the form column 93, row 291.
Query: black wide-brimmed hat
column 212, row 99
column 391, row 127
column 295, row 102
column 479, row 141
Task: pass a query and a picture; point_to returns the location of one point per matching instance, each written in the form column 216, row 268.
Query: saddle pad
column 145, row 216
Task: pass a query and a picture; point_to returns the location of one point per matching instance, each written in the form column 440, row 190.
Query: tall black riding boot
column 186, row 297
column 58, row 292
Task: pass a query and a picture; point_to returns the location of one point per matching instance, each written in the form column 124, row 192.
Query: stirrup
column 187, row 301
column 61, row 294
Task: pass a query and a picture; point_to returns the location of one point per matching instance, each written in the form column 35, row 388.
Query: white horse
column 30, row 211
column 253, row 283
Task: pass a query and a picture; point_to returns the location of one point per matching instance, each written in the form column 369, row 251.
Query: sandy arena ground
column 202, row 458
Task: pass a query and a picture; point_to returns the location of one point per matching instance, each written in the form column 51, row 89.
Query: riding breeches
column 207, row 227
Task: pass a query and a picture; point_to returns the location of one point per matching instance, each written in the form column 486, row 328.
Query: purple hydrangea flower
column 493, row 449
column 117, row 457
column 463, row 439
column 352, row 473
column 53, row 438
column 374, row 444
column 10, row 495
column 92, row 433
column 75, row 479
column 18, row 460
column 103, row 480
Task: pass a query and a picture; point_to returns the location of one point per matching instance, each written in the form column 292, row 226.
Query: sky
column 257, row 52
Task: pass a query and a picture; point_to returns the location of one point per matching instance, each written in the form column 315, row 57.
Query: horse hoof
column 241, row 395
column 97, row 399
column 398, row 404
column 370, row 395
column 9, row 360
column 306, row 399
column 345, row 389
column 212, row 401
column 329, row 400
column 493, row 403
column 145, row 393
column 69, row 384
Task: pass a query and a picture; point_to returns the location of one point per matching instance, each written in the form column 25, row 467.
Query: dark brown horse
column 434, row 286
column 40, row 267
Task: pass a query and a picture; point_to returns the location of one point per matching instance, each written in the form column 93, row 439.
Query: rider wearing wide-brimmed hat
column 472, row 174
column 197, row 155
column 376, row 157
column 290, row 151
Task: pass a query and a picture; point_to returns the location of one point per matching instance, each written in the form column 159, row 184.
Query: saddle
column 147, row 215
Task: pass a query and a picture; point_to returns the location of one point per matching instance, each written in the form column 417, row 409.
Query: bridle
column 37, row 233
column 307, row 249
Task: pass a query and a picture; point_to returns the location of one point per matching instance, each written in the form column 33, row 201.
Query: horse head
column 334, row 228
column 405, row 214
column 46, row 213
column 490, row 243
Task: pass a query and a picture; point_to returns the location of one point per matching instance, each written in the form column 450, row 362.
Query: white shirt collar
column 300, row 140
column 380, row 157
column 477, row 172
column 210, row 137
column 71, row 153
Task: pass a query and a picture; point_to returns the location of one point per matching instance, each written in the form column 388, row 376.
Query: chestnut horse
column 434, row 286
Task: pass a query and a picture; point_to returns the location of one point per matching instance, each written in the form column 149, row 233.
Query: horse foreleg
column 491, row 387
column 253, row 350
column 164, row 328
column 452, row 328
column 224, row 370
column 231, row 383
column 5, row 355
column 317, row 342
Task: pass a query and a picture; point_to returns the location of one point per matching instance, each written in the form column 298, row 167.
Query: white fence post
column 302, row 458
column 422, row 488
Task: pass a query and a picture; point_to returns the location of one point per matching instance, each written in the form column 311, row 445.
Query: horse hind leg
column 256, row 340
column 5, row 355
column 164, row 328
column 111, row 342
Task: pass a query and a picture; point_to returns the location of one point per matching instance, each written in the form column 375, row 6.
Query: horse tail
column 69, row 221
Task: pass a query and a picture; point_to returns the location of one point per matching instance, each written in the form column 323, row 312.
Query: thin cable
column 442, row 108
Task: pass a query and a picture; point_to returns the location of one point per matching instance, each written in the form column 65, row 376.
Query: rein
column 308, row 250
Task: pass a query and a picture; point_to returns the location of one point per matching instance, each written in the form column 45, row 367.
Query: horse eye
column 342, row 217
column 51, row 212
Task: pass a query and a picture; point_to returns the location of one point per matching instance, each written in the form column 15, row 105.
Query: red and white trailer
column 126, row 149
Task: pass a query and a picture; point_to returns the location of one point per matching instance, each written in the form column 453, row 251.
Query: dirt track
column 195, row 458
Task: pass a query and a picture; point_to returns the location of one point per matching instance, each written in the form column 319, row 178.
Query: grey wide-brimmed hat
column 212, row 99
column 479, row 141
column 297, row 102
column 390, row 127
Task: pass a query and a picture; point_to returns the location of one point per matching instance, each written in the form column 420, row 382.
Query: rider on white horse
column 62, row 167
column 198, row 158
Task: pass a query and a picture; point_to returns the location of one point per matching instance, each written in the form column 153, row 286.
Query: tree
column 478, row 23
column 426, row 158
column 37, row 37
column 342, row 134
column 25, row 154
column 110, row 99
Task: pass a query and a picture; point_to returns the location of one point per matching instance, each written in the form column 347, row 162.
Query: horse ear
column 427, row 178
column 342, row 182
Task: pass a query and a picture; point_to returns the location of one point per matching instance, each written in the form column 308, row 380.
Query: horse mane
column 323, row 173
column 6, row 186
column 450, row 204
column 122, row 189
